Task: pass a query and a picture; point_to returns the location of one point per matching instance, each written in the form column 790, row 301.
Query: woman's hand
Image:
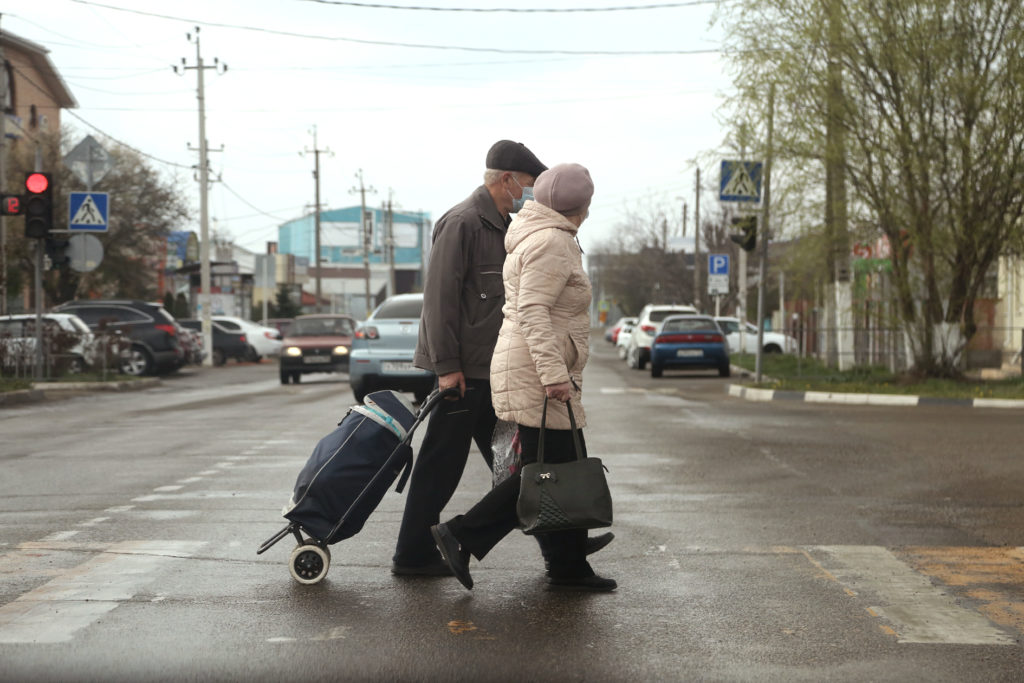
column 560, row 392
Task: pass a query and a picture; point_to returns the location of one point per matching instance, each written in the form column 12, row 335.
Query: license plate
column 690, row 353
column 398, row 366
column 316, row 359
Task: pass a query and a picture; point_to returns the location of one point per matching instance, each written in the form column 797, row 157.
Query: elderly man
column 462, row 299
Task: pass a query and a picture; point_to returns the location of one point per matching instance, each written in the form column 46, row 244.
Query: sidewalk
column 43, row 391
column 752, row 394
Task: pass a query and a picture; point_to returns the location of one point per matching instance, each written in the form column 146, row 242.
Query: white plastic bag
column 506, row 448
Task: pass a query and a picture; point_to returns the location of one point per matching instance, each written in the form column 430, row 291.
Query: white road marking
column 94, row 521
column 56, row 610
column 189, row 480
column 61, row 535
column 207, row 473
column 120, row 508
column 167, row 489
column 203, row 495
column 919, row 611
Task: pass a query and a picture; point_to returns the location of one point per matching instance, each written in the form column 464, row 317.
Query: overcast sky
column 414, row 98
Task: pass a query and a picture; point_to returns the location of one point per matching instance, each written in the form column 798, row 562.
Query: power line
column 385, row 43
column 516, row 10
column 250, row 204
column 126, row 145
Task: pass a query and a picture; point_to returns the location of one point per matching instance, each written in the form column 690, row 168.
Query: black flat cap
column 506, row 155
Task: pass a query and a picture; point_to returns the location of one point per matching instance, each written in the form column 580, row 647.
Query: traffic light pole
column 38, row 283
column 765, row 234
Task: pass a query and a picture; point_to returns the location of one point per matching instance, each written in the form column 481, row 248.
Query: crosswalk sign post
column 88, row 211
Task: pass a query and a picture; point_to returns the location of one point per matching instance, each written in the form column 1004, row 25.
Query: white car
column 638, row 352
column 265, row 341
column 18, row 339
column 774, row 342
column 622, row 341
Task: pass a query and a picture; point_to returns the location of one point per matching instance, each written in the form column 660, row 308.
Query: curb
column 42, row 391
column 752, row 394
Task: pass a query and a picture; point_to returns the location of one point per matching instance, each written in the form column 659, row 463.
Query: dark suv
column 226, row 343
column 151, row 331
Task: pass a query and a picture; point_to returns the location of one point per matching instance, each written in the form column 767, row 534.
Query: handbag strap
column 575, row 432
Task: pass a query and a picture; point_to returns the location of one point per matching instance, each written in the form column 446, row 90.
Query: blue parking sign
column 718, row 264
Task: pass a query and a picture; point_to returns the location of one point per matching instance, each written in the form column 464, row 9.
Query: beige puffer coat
column 544, row 337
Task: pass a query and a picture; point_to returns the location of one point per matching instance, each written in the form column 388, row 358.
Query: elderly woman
column 542, row 348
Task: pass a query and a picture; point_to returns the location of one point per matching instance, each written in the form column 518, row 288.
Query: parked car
column 226, row 343
column 612, row 333
column 74, row 354
column 153, row 336
column 316, row 343
column 774, row 342
column 622, row 338
column 383, row 349
column 688, row 342
column 265, row 341
column 647, row 325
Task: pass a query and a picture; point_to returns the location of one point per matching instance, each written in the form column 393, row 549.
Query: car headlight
column 293, row 351
column 340, row 350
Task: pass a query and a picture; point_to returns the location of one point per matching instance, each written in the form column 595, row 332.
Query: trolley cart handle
column 435, row 398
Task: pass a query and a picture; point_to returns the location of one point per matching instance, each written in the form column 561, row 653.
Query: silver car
column 383, row 347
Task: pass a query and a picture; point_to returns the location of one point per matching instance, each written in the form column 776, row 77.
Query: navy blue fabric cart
column 346, row 477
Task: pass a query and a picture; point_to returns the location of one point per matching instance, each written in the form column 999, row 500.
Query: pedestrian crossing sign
column 740, row 181
column 88, row 211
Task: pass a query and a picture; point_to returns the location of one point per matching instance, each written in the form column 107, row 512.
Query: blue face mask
column 517, row 204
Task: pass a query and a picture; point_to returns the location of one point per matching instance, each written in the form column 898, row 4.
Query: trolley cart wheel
column 309, row 562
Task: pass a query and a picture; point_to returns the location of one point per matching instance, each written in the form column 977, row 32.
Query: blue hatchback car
column 688, row 342
column 383, row 347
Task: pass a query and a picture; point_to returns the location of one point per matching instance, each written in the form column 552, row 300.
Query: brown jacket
column 544, row 338
column 463, row 293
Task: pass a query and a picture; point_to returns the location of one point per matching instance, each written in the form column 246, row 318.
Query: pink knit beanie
column 566, row 188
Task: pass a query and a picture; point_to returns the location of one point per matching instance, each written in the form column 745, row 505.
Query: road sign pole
column 765, row 232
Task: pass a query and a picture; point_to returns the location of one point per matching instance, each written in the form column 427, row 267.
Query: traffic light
column 59, row 251
column 38, row 204
column 747, row 239
column 11, row 205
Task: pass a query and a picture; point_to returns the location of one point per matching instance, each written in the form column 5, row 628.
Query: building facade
column 383, row 254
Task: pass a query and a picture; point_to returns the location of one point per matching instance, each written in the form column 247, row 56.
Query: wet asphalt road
column 754, row 541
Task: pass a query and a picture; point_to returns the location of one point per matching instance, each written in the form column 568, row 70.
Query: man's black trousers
column 451, row 428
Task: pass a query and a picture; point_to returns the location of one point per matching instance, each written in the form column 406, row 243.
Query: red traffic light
column 37, row 183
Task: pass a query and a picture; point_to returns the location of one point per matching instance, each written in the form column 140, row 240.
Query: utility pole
column 389, row 243
column 362, row 190
column 765, row 233
column 316, row 151
column 204, row 186
column 696, row 245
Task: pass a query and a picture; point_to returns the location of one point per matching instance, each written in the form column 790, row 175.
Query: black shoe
column 595, row 583
column 454, row 555
column 435, row 568
column 598, row 542
column 594, row 543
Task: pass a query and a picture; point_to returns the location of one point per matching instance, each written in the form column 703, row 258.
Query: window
column 321, row 327
column 690, row 325
column 408, row 309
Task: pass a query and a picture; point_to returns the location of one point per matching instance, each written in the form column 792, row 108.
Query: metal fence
column 991, row 347
column 19, row 360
